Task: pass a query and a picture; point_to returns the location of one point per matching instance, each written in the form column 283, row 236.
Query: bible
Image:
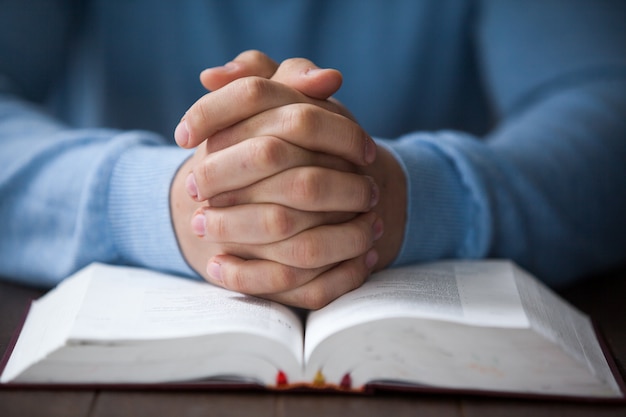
column 452, row 326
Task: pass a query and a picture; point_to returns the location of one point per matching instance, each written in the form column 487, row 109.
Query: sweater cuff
column 139, row 208
column 441, row 217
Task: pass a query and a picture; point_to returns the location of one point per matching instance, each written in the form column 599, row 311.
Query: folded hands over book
column 286, row 197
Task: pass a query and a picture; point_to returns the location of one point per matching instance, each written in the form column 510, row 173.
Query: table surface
column 603, row 298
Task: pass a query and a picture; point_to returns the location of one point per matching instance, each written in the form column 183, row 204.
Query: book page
column 489, row 293
column 563, row 324
column 150, row 305
column 47, row 325
column 477, row 293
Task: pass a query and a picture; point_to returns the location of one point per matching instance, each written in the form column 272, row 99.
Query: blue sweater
column 508, row 117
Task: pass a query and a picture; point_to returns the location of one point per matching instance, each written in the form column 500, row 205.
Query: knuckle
column 267, row 152
column 307, row 185
column 355, row 276
column 354, row 137
column 205, row 175
column 253, row 89
column 300, row 117
column 278, row 222
column 363, row 194
column 253, row 55
column 362, row 239
column 306, row 252
column 200, row 113
column 286, row 278
column 314, row 297
column 290, row 64
column 236, row 280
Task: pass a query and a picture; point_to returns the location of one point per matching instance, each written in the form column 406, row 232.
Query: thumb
column 308, row 78
column 298, row 73
column 246, row 64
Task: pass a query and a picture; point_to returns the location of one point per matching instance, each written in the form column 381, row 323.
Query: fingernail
column 198, row 224
column 375, row 193
column 371, row 258
column 191, row 186
column 370, row 150
column 230, row 66
column 181, row 134
column 214, row 270
column 378, row 228
column 313, row 71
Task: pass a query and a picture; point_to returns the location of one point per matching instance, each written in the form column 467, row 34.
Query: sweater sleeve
column 72, row 196
column 546, row 186
column 75, row 196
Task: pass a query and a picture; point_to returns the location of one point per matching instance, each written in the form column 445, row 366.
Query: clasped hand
column 281, row 196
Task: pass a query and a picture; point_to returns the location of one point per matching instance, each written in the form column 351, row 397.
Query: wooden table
column 604, row 298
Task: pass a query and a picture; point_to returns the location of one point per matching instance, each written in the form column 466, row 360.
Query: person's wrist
column 138, row 207
column 441, row 217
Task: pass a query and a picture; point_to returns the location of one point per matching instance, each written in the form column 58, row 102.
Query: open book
column 482, row 326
